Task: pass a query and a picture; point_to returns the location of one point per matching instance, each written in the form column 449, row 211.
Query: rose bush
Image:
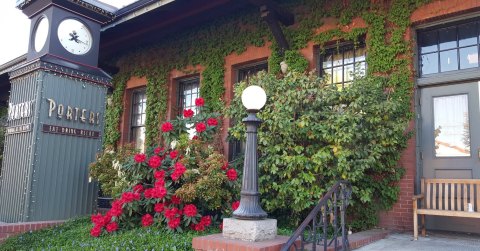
column 186, row 183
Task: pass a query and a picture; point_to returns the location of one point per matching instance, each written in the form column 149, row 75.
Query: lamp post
column 253, row 98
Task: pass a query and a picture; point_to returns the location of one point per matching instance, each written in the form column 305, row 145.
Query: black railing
column 321, row 229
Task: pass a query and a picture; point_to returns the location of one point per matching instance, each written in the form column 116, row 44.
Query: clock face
column 41, row 34
column 74, row 36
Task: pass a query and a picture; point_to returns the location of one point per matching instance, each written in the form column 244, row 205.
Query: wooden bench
column 446, row 197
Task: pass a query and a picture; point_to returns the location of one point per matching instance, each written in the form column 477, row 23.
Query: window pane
column 469, row 57
column 138, row 137
column 337, row 59
column 188, row 92
column 448, row 60
column 360, row 69
column 451, row 126
column 359, row 54
column 448, row 38
column 348, row 57
column 327, row 61
column 327, row 74
column 467, row 34
column 428, row 41
column 429, row 63
column 348, row 73
column 337, row 75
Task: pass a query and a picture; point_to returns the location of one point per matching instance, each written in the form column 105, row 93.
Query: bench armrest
column 418, row 196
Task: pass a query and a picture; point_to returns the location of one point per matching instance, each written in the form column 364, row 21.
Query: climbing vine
column 388, row 56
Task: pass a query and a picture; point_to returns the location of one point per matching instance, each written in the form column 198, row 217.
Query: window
column 339, row 65
column 188, row 91
column 237, row 147
column 448, row 48
column 137, row 130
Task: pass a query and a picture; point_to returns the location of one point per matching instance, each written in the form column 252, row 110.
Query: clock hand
column 80, row 41
column 73, row 36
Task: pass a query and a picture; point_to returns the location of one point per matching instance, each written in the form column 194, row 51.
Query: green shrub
column 314, row 135
column 3, row 123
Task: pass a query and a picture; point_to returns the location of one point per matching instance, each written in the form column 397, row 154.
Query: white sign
column 20, row 111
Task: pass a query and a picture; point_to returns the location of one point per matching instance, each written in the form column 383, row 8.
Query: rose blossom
column 159, row 175
column 199, row 102
column 167, row 126
column 190, row 210
column 188, row 113
column 95, row 231
column 235, row 205
column 212, row 122
column 225, row 166
column 138, row 188
column 206, row 220
column 147, row 220
column 200, row 127
column 232, row 174
column 175, row 200
column 112, row 227
column 140, row 157
column 174, row 223
column 155, row 162
column 173, row 154
column 159, row 207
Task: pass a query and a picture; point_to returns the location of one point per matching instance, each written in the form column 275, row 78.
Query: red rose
column 188, row 113
column 174, row 223
column 158, row 150
column 112, row 227
column 170, row 213
column 148, row 193
column 159, row 207
column 160, row 183
column 95, row 231
column 107, row 219
column 232, row 174
column 225, row 166
column 167, row 126
column 159, row 192
column 173, row 154
column 212, row 122
column 175, row 200
column 200, row 127
column 221, row 226
column 116, row 209
column 199, row 102
column 97, row 219
column 198, row 227
column 140, row 157
column 159, row 175
column 195, row 137
column 138, row 188
column 190, row 210
column 206, row 220
column 179, row 170
column 155, row 162
column 147, row 220
column 235, row 205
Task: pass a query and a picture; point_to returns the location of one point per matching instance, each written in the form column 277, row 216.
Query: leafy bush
column 106, row 169
column 314, row 134
column 185, row 184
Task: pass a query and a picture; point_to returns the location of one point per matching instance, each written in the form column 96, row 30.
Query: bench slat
column 478, row 199
column 459, row 197
column 471, row 199
column 448, row 213
column 434, row 196
column 428, row 197
column 440, row 196
column 465, row 198
column 445, row 199
column 452, row 197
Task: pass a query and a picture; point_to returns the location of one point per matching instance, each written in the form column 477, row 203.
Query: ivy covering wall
column 3, row 121
column 388, row 55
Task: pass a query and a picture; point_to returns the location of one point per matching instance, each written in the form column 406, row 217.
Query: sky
column 15, row 29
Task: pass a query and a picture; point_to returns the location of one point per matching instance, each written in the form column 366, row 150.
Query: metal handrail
column 337, row 198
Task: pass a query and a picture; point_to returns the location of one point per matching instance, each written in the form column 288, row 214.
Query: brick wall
column 12, row 229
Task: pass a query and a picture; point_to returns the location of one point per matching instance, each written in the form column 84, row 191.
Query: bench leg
column 415, row 224
column 423, row 226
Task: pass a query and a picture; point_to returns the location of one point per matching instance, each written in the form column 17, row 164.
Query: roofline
column 8, row 66
column 134, row 10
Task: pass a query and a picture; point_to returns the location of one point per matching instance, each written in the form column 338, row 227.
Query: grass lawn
column 75, row 235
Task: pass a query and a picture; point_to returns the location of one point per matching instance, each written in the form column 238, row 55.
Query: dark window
column 448, row 48
column 340, row 64
column 237, row 147
column 138, row 116
column 188, row 91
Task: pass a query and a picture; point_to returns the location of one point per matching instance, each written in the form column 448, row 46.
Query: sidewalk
column 435, row 241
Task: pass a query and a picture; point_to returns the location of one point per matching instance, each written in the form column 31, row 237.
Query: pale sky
column 15, row 28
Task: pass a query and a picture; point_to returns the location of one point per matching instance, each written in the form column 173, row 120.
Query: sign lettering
column 20, row 110
column 18, row 129
column 53, row 129
column 72, row 113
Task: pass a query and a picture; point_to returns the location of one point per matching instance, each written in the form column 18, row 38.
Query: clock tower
column 56, row 113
